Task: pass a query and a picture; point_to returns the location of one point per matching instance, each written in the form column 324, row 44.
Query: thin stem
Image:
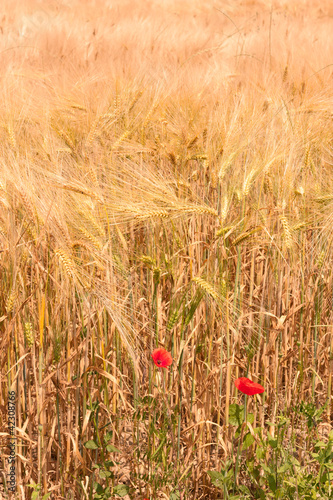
column 240, row 441
column 168, row 410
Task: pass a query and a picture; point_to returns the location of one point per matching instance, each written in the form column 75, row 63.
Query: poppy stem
column 245, row 408
column 240, row 440
column 168, row 411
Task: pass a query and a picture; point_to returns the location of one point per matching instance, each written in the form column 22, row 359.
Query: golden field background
column 165, row 180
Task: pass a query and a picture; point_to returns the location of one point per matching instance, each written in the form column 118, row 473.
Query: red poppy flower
column 162, row 358
column 248, row 387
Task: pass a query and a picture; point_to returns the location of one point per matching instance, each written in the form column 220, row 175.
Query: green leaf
column 45, row 497
column 245, row 489
column 272, row 483
column 273, row 442
column 98, row 488
column 284, row 468
column 250, row 418
column 104, row 473
column 216, row 478
column 261, row 493
column 320, row 444
column 266, row 468
column 110, row 463
column 236, row 414
column 328, row 466
column 35, row 495
column 175, row 495
column 294, row 461
column 247, row 441
column 108, row 436
column 91, row 445
column 112, row 449
column 254, row 471
column 121, row 490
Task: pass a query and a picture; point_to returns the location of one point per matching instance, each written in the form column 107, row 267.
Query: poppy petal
column 162, row 358
column 246, row 386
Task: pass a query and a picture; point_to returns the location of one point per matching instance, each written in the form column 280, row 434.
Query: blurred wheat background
column 166, row 181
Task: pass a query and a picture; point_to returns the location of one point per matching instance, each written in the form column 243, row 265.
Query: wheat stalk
column 29, row 334
column 66, row 262
column 207, row 287
column 286, row 230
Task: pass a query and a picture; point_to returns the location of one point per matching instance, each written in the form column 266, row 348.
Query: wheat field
column 166, row 182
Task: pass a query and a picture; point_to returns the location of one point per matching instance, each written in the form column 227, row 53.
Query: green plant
column 153, row 459
column 272, row 470
column 103, row 480
column 36, row 494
